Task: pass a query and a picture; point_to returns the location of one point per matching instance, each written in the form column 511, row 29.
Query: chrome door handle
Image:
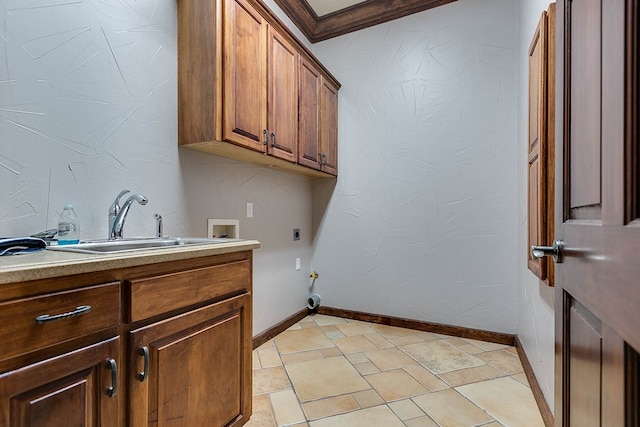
column 538, row 252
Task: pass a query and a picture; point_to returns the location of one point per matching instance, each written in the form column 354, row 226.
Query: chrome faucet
column 118, row 221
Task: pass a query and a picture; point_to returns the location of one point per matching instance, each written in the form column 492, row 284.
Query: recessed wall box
column 223, row 228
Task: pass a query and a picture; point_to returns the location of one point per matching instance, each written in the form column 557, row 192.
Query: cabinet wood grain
column 20, row 333
column 200, row 368
column 66, row 390
column 156, row 295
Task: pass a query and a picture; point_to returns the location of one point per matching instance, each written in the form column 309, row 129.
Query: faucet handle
column 115, row 206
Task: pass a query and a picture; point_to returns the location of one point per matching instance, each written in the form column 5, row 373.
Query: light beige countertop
column 47, row 264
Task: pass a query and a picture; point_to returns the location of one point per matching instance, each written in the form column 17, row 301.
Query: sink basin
column 136, row 244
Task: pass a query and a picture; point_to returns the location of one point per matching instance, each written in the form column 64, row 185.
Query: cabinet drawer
column 161, row 294
column 22, row 332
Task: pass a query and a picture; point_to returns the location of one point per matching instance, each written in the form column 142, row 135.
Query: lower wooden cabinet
column 193, row 369
column 181, row 329
column 79, row 388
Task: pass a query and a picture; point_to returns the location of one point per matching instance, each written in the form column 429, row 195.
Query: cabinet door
column 329, row 127
column 309, row 96
column 245, row 75
column 67, row 390
column 199, row 368
column 283, row 97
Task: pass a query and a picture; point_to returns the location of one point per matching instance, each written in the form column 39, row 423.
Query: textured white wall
column 422, row 221
column 536, row 300
column 88, row 107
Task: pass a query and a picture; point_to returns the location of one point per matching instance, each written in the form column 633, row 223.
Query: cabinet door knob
column 113, row 388
column 144, row 352
column 266, row 137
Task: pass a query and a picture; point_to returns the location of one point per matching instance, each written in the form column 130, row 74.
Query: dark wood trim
column 302, row 16
column 438, row 328
column 265, row 336
column 353, row 18
column 543, row 406
column 632, row 112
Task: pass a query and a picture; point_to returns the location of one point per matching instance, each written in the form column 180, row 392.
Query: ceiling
column 325, row 7
column 324, row 19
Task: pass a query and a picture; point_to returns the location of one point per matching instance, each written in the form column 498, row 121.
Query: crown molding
column 353, row 18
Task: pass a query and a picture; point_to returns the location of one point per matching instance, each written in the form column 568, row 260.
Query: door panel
column 308, row 132
column 329, row 126
column 199, row 370
column 584, row 356
column 585, row 106
column 283, row 98
column 244, row 68
column 66, row 390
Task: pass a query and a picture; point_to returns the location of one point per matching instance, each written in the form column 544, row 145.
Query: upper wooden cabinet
column 541, row 143
column 318, row 123
column 248, row 90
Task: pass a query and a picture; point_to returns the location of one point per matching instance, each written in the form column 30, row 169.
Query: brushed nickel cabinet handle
column 266, row 137
column 46, row 318
column 113, row 388
column 144, row 352
column 273, row 139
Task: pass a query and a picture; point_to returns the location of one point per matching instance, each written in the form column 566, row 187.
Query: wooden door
column 199, row 368
column 308, row 130
column 329, row 127
column 597, row 215
column 245, row 76
column 283, row 97
column 67, row 390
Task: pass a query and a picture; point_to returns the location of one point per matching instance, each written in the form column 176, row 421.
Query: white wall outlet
column 249, row 210
column 298, row 264
column 223, row 228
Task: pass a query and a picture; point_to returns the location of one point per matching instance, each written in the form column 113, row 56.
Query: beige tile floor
column 330, row 372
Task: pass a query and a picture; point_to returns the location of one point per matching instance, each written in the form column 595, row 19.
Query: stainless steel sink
column 136, row 244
